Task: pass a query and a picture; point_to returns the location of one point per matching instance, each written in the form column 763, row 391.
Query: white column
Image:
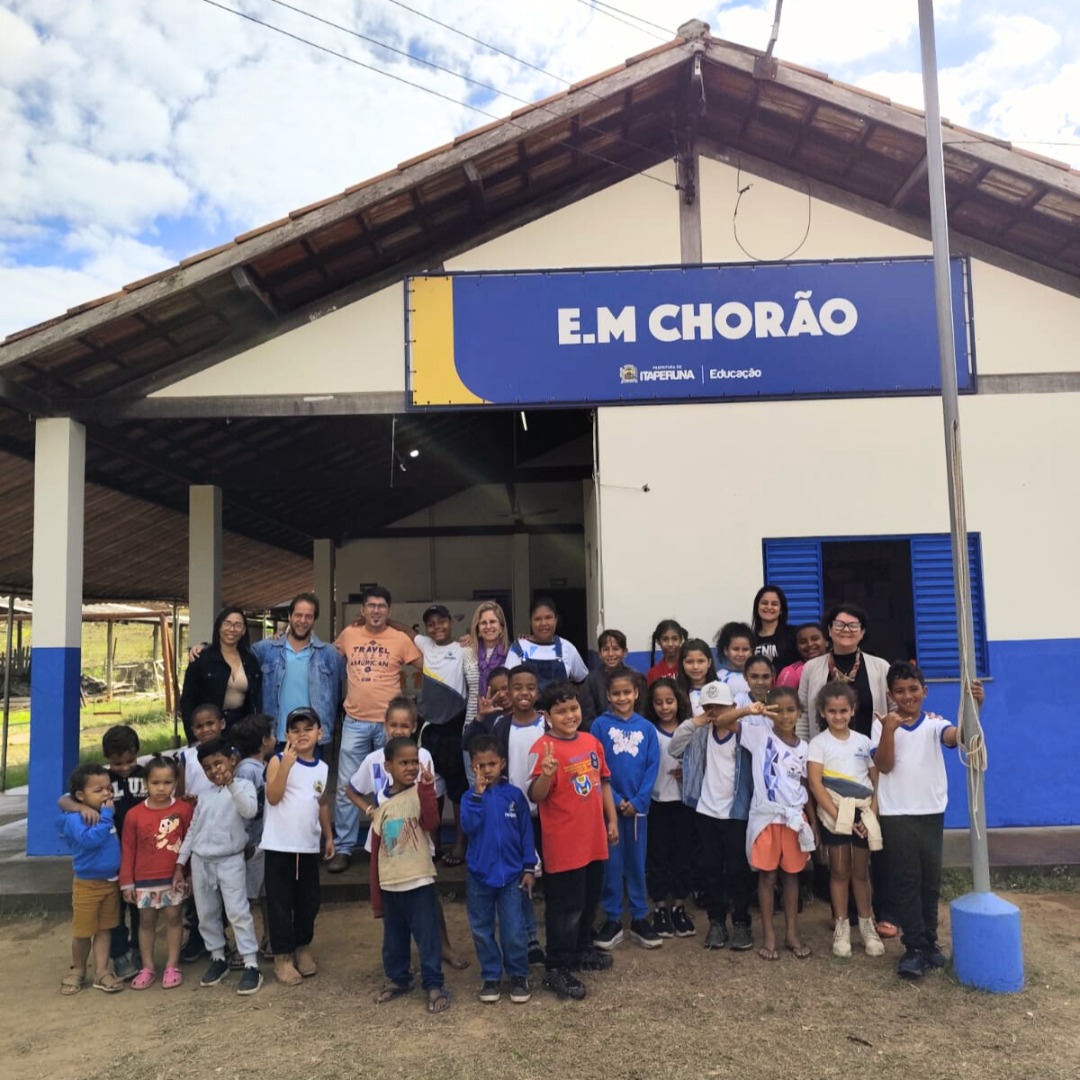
column 322, row 557
column 204, row 559
column 59, row 497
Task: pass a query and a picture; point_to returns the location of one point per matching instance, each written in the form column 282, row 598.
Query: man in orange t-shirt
column 374, row 656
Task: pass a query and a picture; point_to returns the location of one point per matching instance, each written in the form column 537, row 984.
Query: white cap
column 716, row 693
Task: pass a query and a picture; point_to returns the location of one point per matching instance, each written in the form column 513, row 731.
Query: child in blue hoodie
column 632, row 750
column 95, row 892
column 502, row 859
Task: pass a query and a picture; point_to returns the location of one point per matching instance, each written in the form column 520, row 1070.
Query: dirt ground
column 670, row 1013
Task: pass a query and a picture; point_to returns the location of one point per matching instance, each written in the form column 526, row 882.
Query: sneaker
column 684, row 925
column 594, row 960
column 935, row 958
column 490, row 992
column 841, row 939
column 643, row 934
column 250, row 981
column 608, row 936
column 217, row 971
column 564, row 986
column 872, row 943
column 717, row 937
column 193, row 949
column 661, row 923
column 519, row 989
column 913, row 965
column 741, row 938
column 536, row 954
column 124, row 967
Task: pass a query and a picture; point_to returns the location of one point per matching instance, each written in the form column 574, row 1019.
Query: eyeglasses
column 232, row 626
column 377, row 607
column 854, row 627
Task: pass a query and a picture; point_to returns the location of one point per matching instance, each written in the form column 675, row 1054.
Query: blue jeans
column 485, row 903
column 626, row 862
column 358, row 739
column 413, row 913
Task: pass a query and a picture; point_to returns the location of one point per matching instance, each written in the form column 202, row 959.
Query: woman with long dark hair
column 773, row 637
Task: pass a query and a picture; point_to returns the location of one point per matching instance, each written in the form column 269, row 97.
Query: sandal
column 392, row 991
column 108, row 983
column 451, row 858
column 72, row 983
column 887, row 930
column 800, row 952
column 144, row 979
column 172, row 978
column 438, row 1000
column 768, row 954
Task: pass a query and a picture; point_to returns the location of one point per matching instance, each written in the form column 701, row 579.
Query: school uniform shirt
column 694, row 694
column 293, row 823
column 668, row 787
column 196, row 782
column 443, row 691
column 572, row 816
column 150, row 842
column 778, row 769
column 718, row 784
column 735, row 680
column 845, row 763
column 916, row 784
column 576, row 671
column 520, row 761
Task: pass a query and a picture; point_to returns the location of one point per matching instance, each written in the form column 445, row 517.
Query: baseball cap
column 716, row 693
column 436, row 609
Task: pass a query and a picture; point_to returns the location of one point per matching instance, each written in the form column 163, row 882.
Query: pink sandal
column 144, row 979
column 172, row 978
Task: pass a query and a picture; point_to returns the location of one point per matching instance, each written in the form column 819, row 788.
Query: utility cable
column 436, row 93
column 615, row 13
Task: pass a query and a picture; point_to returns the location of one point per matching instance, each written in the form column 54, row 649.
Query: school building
column 641, row 346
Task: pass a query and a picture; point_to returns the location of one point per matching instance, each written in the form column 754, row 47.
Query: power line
column 446, row 70
column 616, row 13
column 435, row 93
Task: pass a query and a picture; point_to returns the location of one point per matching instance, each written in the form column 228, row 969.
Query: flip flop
column 172, row 978
column 438, row 1000
column 144, row 979
column 72, row 983
column 450, row 859
column 768, row 954
column 392, row 991
column 803, row 952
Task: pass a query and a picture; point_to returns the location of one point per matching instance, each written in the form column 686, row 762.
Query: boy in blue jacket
column 501, row 860
column 632, row 750
column 95, row 892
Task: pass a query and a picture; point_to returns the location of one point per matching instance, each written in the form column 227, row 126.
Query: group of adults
column 356, row 677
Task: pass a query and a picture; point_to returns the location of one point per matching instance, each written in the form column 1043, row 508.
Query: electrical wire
column 446, row 70
column 735, row 224
column 436, row 93
column 613, row 12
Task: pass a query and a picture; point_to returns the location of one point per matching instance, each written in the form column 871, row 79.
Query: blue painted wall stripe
column 54, row 742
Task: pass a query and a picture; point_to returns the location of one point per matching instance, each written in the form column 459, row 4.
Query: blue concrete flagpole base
column 988, row 951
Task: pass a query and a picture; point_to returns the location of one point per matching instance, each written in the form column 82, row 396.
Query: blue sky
column 142, row 131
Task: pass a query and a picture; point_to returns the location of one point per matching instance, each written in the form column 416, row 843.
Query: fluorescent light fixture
column 524, row 422
column 414, row 453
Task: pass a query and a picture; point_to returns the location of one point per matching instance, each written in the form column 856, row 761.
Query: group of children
column 695, row 776
column 228, row 822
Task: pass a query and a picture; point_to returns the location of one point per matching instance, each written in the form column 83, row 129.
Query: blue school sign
column 663, row 334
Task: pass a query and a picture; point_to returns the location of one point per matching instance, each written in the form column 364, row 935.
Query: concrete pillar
column 521, row 582
column 59, row 497
column 204, row 559
column 322, row 557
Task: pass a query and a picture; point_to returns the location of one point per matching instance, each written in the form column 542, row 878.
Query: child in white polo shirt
column 912, row 793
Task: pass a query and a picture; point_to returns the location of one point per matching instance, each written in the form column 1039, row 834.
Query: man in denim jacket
column 300, row 670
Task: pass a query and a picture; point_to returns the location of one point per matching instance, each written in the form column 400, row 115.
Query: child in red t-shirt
column 152, row 835
column 578, row 821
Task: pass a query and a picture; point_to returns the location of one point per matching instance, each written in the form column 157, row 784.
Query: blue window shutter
column 795, row 565
column 935, row 605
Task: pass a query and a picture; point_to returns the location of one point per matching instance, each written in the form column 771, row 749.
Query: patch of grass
column 957, row 881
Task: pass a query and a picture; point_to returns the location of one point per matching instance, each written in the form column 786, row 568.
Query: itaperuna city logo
column 628, row 374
